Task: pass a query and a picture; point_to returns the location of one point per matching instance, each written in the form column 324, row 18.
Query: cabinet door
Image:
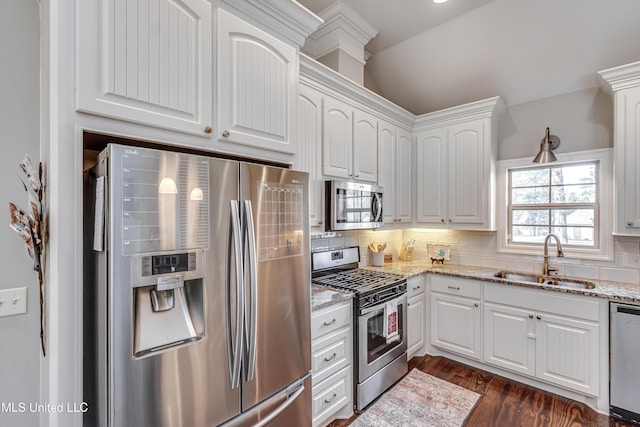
column 387, row 170
column 310, row 148
column 567, row 353
column 415, row 324
column 466, row 174
column 509, row 338
column 337, row 139
column 628, row 154
column 455, row 324
column 365, row 147
column 147, row 62
column 404, row 181
column 257, row 86
column 430, row 176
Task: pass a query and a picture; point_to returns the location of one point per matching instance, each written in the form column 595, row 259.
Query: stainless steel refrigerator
column 196, row 292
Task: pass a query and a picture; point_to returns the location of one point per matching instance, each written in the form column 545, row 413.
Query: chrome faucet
column 545, row 265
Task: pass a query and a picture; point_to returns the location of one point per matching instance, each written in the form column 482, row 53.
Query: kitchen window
column 570, row 198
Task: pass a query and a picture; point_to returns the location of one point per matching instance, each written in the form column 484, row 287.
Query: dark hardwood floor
column 508, row 403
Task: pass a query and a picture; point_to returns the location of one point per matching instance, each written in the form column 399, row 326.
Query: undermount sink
column 545, row 280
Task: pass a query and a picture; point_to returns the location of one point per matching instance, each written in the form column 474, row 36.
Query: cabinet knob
column 357, row 175
column 476, row 305
column 450, row 220
column 208, row 129
column 538, row 317
column 531, row 316
column 442, row 220
column 630, row 224
column 226, row 133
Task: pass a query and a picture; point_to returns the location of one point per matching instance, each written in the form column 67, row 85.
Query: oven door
column 374, row 352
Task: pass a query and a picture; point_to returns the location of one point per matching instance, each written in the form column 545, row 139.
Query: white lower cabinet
column 553, row 338
column 332, row 372
column 455, row 316
column 416, row 321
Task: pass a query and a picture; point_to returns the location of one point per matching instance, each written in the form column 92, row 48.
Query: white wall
column 19, row 124
column 583, row 120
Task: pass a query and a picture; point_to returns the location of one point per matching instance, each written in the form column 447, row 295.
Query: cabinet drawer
column 331, row 395
column 455, row 286
column 330, row 353
column 415, row 285
column 330, row 319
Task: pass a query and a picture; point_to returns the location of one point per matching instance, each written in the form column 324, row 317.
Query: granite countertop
column 617, row 291
column 323, row 296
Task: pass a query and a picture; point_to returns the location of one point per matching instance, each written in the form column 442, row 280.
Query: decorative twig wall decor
column 30, row 226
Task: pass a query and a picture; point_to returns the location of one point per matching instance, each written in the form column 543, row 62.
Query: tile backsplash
column 479, row 248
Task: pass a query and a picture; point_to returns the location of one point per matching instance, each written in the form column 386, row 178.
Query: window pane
column 530, row 217
column 574, row 194
column 529, row 234
column 584, row 217
column 530, row 177
column 579, row 174
column 533, row 195
column 579, row 236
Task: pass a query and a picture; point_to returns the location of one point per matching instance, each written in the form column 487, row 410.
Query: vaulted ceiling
column 431, row 56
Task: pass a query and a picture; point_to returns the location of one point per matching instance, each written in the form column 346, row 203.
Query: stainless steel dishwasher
column 624, row 382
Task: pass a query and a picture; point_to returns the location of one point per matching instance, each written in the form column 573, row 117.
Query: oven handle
column 401, row 299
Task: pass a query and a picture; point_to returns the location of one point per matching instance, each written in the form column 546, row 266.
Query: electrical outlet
column 631, row 260
column 13, row 301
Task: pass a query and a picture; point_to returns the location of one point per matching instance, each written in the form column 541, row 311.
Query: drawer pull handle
column 457, row 288
column 416, row 288
column 331, row 398
column 329, row 323
column 329, row 359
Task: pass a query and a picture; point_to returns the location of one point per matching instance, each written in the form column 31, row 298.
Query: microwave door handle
column 376, row 206
column 234, row 251
column 250, row 323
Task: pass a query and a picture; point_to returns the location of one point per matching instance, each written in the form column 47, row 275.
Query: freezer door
column 188, row 384
column 277, row 275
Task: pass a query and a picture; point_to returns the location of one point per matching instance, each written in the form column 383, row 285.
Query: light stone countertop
column 617, row 291
column 323, row 296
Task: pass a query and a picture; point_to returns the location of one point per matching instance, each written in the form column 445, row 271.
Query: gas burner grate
column 358, row 279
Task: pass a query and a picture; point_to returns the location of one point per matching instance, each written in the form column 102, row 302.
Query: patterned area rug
column 419, row 400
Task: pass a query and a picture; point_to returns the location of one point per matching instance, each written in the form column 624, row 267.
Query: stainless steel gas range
column 379, row 318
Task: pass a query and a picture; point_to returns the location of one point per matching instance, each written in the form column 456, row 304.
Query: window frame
column 603, row 213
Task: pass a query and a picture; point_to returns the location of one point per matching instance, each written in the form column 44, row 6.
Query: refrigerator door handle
column 291, row 397
column 234, row 249
column 250, row 322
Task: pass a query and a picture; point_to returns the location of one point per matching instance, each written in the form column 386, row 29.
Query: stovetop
column 359, row 280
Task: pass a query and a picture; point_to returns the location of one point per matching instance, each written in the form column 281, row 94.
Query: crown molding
column 288, row 19
column 330, row 82
column 492, row 108
column 622, row 77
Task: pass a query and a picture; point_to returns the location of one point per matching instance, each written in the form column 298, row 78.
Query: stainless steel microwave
column 352, row 206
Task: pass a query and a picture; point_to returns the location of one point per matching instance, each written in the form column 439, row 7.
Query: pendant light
column 547, row 145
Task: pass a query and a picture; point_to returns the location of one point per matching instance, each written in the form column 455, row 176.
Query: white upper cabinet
column 350, row 141
column 455, row 166
column 147, row 62
column 257, row 87
column 468, row 173
column 431, row 158
column 309, row 154
column 337, row 141
column 394, row 172
column 365, row 146
column 624, row 83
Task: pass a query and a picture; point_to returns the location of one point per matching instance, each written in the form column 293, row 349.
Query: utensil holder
column 377, row 259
